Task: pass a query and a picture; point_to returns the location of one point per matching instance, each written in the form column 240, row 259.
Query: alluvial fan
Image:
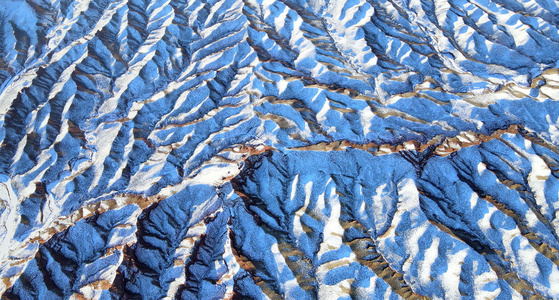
column 279, row 149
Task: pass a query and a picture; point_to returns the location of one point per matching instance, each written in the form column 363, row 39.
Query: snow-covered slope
column 289, row 149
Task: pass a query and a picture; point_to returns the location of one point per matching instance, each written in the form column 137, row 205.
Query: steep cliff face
column 279, row 149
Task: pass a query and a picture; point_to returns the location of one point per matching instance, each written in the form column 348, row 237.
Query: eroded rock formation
column 248, row 149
